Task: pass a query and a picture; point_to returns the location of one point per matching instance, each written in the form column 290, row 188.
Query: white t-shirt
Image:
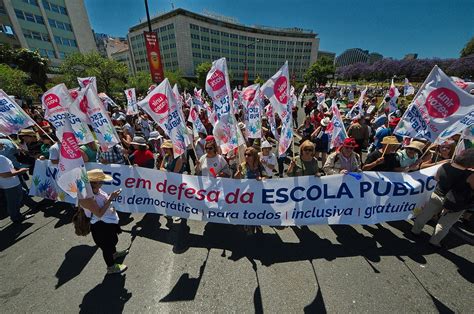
column 217, row 162
column 110, row 216
column 54, row 152
column 270, row 159
column 6, row 166
column 200, row 149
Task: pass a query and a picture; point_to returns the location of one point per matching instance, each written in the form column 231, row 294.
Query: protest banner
column 56, row 103
column 84, row 81
column 408, row 88
column 198, row 126
column 12, row 116
column 72, row 176
column 132, row 108
column 357, row 110
column 438, row 104
column 335, row 129
column 300, row 97
column 277, row 90
column 250, row 99
column 226, row 132
column 44, row 183
column 357, row 198
column 92, row 106
column 161, row 105
column 393, row 93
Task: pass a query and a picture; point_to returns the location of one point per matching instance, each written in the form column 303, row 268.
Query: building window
column 214, row 32
column 172, row 45
column 58, row 40
column 193, row 26
column 19, row 14
column 32, row 2
column 39, row 19
column 194, row 36
column 204, row 30
column 29, row 17
column 204, row 38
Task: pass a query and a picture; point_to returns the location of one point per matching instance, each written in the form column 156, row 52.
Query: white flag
column 335, row 129
column 132, row 108
column 408, row 89
column 251, row 105
column 300, row 97
column 226, row 131
column 357, row 109
column 277, row 90
column 72, row 175
column 161, row 105
column 56, row 104
column 393, row 93
column 439, row 104
column 84, row 81
column 13, row 116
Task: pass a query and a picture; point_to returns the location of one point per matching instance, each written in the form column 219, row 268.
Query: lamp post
column 246, row 72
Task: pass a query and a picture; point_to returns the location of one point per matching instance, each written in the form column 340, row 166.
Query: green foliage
column 318, row 72
column 140, row 81
column 14, row 82
column 258, row 80
column 176, row 77
column 468, row 49
column 201, row 73
column 27, row 61
column 111, row 75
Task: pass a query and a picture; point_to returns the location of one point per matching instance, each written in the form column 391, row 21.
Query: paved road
column 46, row 268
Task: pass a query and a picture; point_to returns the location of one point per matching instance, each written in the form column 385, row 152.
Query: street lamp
column 246, row 72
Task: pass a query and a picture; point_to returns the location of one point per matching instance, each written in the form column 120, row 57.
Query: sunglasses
column 308, row 150
column 209, row 148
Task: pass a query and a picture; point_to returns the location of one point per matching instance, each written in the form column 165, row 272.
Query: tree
column 318, row 72
column 258, row 80
column 141, row 81
column 14, row 82
column 201, row 73
column 176, row 77
column 111, row 75
column 468, row 49
column 27, row 61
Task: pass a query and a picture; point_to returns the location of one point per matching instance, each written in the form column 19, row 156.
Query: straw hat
column 138, row 140
column 390, row 140
column 167, row 144
column 416, row 145
column 97, row 175
column 27, row 132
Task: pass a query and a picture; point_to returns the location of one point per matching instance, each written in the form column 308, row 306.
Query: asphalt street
column 47, row 268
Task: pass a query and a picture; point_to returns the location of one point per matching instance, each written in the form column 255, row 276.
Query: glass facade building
column 188, row 39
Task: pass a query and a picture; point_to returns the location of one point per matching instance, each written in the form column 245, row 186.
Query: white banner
column 161, row 105
column 357, row 198
column 12, row 116
column 439, row 104
column 44, row 183
column 251, row 106
column 132, row 108
column 56, row 102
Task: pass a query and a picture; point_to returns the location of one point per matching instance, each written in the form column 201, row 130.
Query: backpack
column 82, row 223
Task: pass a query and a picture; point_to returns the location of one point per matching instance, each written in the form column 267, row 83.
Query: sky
column 431, row 28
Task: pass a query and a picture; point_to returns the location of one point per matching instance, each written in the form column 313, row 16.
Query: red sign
column 154, row 58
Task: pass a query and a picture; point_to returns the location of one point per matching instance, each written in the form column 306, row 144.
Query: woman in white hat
column 142, row 156
column 321, row 139
column 104, row 220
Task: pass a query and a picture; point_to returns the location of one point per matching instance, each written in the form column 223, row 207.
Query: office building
column 124, row 57
column 187, row 39
column 55, row 28
column 356, row 55
column 327, row 54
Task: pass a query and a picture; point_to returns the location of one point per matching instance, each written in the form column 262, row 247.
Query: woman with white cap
column 321, row 139
column 104, row 220
column 142, row 156
column 267, row 158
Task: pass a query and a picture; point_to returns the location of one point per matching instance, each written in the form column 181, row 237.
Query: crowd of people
column 370, row 146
